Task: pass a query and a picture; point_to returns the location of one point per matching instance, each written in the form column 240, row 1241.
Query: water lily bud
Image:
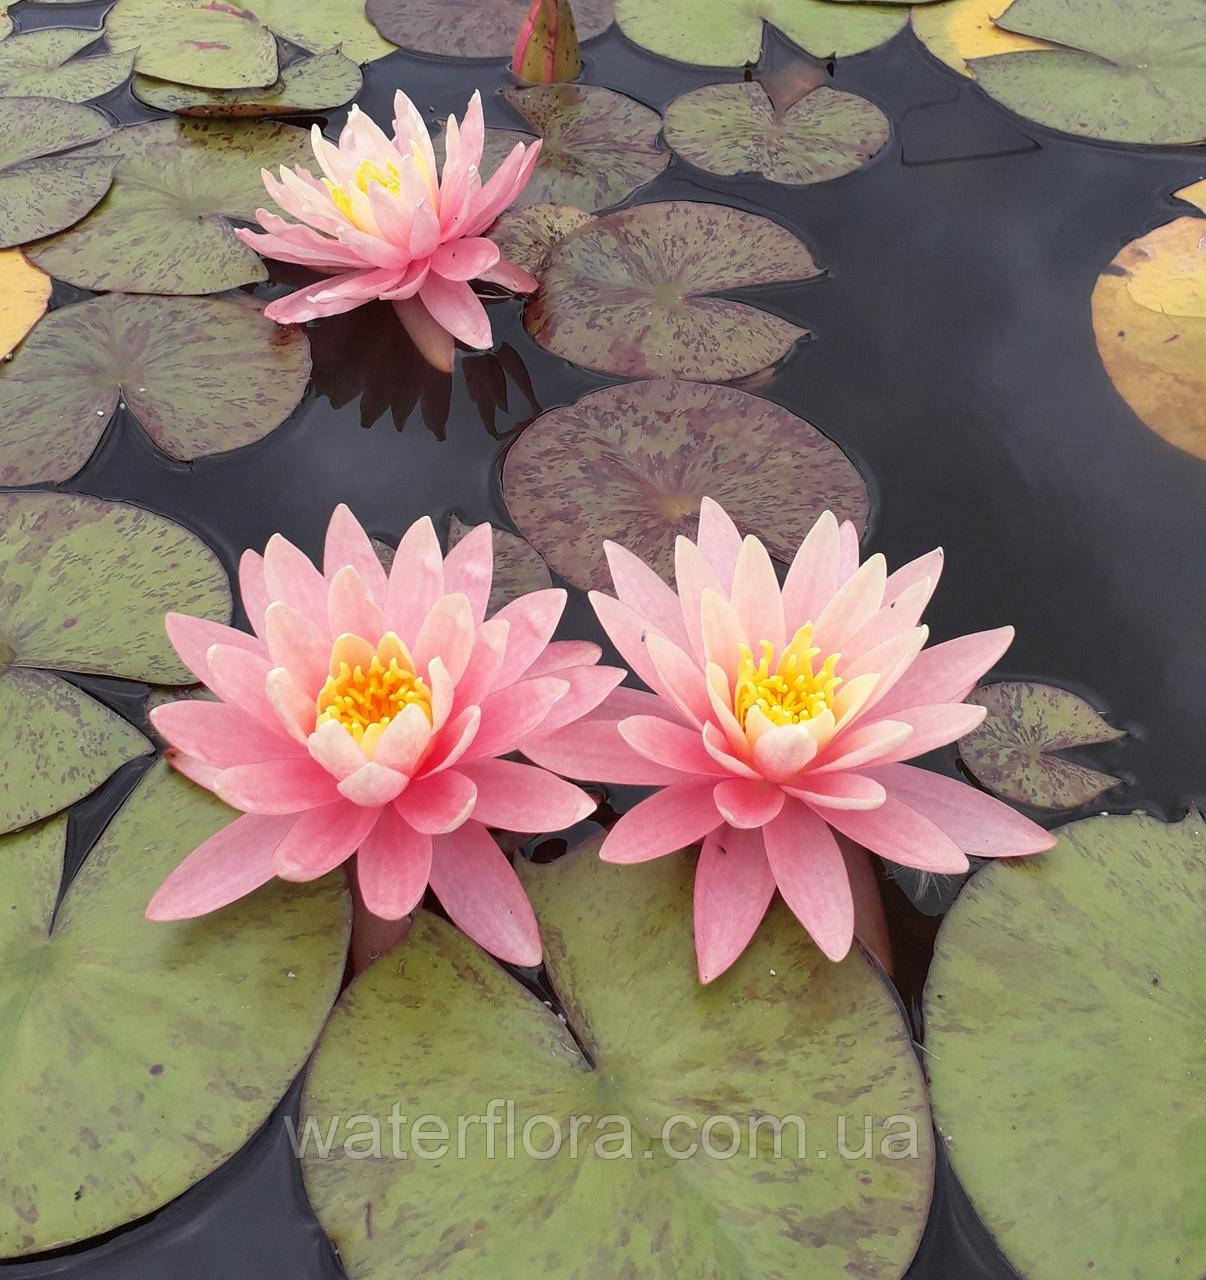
column 547, row 49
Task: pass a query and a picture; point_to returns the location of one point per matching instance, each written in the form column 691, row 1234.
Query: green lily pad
column 439, row 1030
column 6, row 23
column 471, row 28
column 162, row 1046
column 631, row 463
column 202, row 375
column 735, row 128
column 525, row 236
column 720, row 33
column 1118, row 76
column 42, row 63
column 311, row 84
column 634, row 293
column 42, row 190
column 163, row 227
column 1011, row 751
column 1064, row 1018
column 518, row 566
column 599, row 146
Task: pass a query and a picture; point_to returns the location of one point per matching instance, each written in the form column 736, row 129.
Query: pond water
column 952, row 358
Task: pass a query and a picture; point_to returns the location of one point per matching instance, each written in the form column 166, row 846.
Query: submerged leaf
column 42, row 62
column 471, row 28
column 24, row 293
column 631, row 463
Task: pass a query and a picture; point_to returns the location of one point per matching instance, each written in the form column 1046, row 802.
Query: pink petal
column 508, row 275
column 485, row 662
column 900, row 833
column 464, row 259
column 296, row 643
column 719, row 541
column 392, row 866
column 351, row 609
column 454, row 740
column 848, row 554
column 561, row 654
column 811, row 874
column 668, row 820
column 510, row 715
column 219, row 734
column 781, row 753
column 454, row 306
column 865, row 744
column 839, row 791
column 855, row 603
column 679, row 676
column 321, row 839
column 522, row 797
column 813, row 576
column 594, row 750
column 948, row 672
column 294, row 709
column 195, row 770
column 694, row 575
column 717, row 745
column 645, row 593
column 928, row 566
column 747, row 805
column 416, row 580
column 438, row 803
column 933, row 727
column 372, row 785
column 404, row 741
column 469, row 569
column 669, row 744
column 589, row 687
column 532, row 619
column 895, row 618
column 724, row 634
column 482, row 895
column 446, row 633
column 289, row 576
column 239, row 677
column 756, row 596
column 501, row 189
column 733, row 888
column 230, row 864
column 889, row 662
column 432, row 341
column 192, row 638
column 276, row 786
column 252, row 591
column 628, row 631
column 333, row 747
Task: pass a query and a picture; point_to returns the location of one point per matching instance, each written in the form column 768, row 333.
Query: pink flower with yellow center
column 368, row 714
column 780, row 715
column 387, row 224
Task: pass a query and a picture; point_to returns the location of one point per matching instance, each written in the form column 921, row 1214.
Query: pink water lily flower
column 385, row 224
column 368, row 714
column 780, row 715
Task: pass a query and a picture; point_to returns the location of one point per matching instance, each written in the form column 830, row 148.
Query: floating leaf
column 6, row 23
column 164, row 1046
column 1114, row 77
column 42, row 63
column 471, row 28
column 1066, row 990
column 202, row 375
column 719, row 33
column 518, row 566
column 599, row 146
column 311, row 84
column 633, row 293
column 1011, row 751
column 42, row 191
column 1150, row 326
column 163, row 228
column 735, row 128
column 956, row 30
column 24, row 293
column 526, row 235
column 438, row 1029
column 631, row 463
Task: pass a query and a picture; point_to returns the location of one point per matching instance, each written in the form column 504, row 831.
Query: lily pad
column 163, row 227
column 1114, row 77
column 6, row 23
column 84, row 585
column 956, row 30
column 599, row 146
column 1063, row 1015
column 202, row 375
column 24, row 293
column 163, row 1047
column 784, row 1034
column 719, row 33
column 1011, row 752
column 735, row 128
column 471, row 28
column 634, row 293
column 42, row 62
column 631, row 463
column 525, row 236
column 311, row 84
column 1150, row 325
column 518, row 566
column 42, row 190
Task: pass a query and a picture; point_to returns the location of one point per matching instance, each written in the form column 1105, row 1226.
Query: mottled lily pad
column 41, row 189
column 632, row 463
column 525, row 236
column 1063, row 1026
column 736, row 128
column 471, row 28
column 137, row 1058
column 1116, row 75
column 634, row 292
column 784, row 1034
column 956, row 30
column 518, row 566
column 311, row 84
column 163, row 227
column 24, row 293
column 1011, row 752
column 202, row 375
column 1150, row 326
column 721, row 33
column 599, row 146
column 84, row 585
column 42, row 63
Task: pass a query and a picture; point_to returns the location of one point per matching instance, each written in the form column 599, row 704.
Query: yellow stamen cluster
column 366, row 172
column 364, row 702
column 794, row 691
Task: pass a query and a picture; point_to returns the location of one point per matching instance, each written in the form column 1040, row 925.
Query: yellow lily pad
column 959, row 30
column 24, row 293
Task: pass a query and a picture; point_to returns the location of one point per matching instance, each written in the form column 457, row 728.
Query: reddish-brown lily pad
column 471, row 28
column 634, row 293
column 1011, row 752
column 631, row 463
column 202, row 375
column 526, row 235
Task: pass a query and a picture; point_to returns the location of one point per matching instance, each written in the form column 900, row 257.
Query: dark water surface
column 952, row 358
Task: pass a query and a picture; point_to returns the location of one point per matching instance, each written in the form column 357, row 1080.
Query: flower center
column 364, row 699
column 793, row 690
column 366, row 172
